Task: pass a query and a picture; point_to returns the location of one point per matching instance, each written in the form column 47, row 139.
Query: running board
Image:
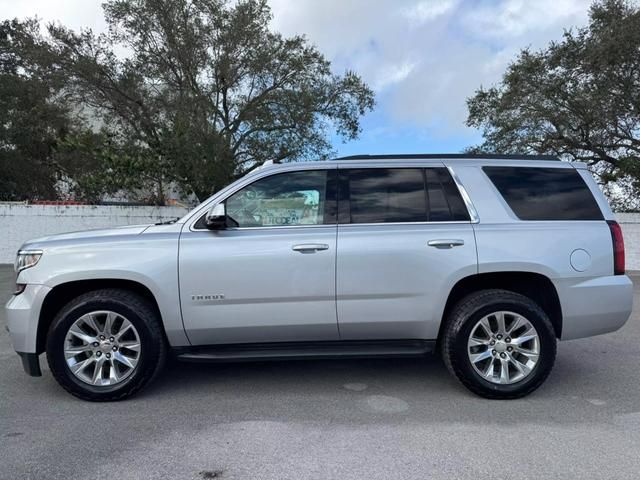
column 305, row 350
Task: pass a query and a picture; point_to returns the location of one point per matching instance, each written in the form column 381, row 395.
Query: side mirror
column 216, row 219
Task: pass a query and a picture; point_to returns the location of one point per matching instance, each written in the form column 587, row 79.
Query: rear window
column 545, row 193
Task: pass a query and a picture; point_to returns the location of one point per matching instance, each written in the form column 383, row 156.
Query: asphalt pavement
column 355, row 419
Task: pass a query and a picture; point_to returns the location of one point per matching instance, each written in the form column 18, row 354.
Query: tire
column 122, row 305
column 486, row 307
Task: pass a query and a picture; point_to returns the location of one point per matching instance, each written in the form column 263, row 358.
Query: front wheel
column 499, row 344
column 106, row 345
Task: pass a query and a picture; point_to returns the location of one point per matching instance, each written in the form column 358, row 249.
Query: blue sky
column 382, row 134
column 423, row 58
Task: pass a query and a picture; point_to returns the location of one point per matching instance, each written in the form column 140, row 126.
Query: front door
column 270, row 276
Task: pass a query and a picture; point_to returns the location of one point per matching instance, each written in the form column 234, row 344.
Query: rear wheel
column 106, row 345
column 499, row 344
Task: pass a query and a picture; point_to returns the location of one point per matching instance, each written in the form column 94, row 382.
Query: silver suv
column 488, row 260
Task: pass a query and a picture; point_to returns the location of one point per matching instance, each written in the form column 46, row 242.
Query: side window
column 438, row 205
column 285, row 199
column 445, row 202
column 388, row 195
column 545, row 193
column 384, row 195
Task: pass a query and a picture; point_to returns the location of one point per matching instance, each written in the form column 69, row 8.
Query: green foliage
column 578, row 98
column 98, row 166
column 33, row 117
column 203, row 92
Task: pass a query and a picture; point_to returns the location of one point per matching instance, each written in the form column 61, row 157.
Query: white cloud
column 423, row 57
column 427, row 10
column 426, row 57
column 392, row 74
column 72, row 13
column 513, row 18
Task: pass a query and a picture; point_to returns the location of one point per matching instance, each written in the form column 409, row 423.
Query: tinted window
column 545, row 193
column 445, row 202
column 383, row 195
column 438, row 205
column 285, row 199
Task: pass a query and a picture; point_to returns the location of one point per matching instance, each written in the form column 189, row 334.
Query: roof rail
column 264, row 164
column 450, row 156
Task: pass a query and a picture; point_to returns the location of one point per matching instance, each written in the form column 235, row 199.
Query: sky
column 423, row 58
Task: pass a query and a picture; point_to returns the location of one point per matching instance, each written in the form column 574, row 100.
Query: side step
column 305, row 350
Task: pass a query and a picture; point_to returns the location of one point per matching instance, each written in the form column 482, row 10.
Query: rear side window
column 395, row 195
column 383, row 195
column 545, row 193
column 445, row 202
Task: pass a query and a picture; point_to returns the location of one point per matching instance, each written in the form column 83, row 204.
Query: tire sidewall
column 66, row 318
column 547, row 346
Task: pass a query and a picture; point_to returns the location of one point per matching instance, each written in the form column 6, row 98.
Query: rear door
column 404, row 238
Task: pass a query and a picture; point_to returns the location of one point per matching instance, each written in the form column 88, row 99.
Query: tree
column 40, row 128
column 579, row 98
column 33, row 118
column 204, row 90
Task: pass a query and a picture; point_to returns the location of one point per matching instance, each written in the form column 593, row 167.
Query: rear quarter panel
column 592, row 299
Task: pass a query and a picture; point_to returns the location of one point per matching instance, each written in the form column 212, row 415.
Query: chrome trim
column 310, row 247
column 473, row 213
column 270, row 227
column 387, row 224
column 446, row 243
column 451, row 222
column 30, row 251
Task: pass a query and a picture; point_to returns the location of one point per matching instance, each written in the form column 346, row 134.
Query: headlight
column 27, row 259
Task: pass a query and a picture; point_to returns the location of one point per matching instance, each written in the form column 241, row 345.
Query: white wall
column 19, row 223
column 630, row 223
column 22, row 222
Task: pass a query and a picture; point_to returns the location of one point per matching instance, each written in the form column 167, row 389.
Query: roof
column 449, row 156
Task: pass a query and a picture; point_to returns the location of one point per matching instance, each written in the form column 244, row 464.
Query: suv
column 488, row 260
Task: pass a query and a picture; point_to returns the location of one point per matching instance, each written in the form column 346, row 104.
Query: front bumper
column 23, row 315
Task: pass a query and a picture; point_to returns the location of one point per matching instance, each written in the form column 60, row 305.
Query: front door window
column 286, row 199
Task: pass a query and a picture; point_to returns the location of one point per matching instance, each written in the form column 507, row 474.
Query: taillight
column 618, row 247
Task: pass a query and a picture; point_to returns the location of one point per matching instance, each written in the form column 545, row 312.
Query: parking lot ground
column 356, row 419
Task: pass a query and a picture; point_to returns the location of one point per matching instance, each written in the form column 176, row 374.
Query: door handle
column 309, row 247
column 446, row 243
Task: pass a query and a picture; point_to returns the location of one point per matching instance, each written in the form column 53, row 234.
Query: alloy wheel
column 102, row 348
column 503, row 347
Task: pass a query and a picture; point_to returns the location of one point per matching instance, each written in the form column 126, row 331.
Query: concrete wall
column 630, row 223
column 22, row 222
